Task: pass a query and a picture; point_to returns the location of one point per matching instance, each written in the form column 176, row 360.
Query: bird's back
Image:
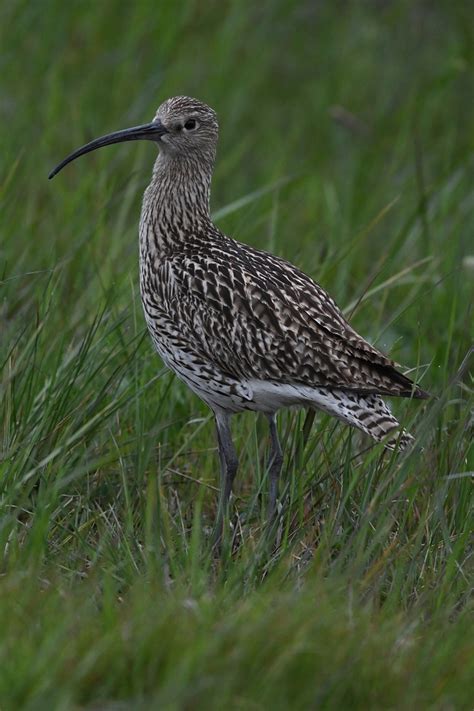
column 247, row 314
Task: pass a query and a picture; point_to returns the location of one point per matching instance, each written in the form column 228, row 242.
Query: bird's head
column 189, row 126
column 181, row 127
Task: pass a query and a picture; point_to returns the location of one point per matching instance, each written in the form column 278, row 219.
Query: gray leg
column 275, row 462
column 229, row 464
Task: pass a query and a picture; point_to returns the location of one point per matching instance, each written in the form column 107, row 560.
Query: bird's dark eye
column 190, row 124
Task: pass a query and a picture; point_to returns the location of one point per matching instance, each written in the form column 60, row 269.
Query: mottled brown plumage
column 243, row 328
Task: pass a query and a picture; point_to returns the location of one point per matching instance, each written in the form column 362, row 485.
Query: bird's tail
column 368, row 413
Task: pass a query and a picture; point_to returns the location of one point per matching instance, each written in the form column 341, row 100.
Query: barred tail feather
column 368, row 413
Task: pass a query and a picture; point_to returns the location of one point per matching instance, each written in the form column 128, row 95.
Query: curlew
column 244, row 329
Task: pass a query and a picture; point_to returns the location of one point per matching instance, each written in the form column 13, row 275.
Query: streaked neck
column 176, row 201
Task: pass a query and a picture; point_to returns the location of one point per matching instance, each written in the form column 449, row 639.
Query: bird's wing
column 254, row 315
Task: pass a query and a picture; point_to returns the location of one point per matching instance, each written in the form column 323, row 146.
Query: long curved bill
column 148, row 132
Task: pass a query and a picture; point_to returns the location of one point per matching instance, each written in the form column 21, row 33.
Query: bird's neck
column 176, row 202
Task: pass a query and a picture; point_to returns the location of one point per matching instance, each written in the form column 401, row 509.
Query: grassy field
column 346, row 147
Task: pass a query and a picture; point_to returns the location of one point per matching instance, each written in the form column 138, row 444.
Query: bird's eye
column 190, row 124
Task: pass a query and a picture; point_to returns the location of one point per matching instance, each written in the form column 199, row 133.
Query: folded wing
column 278, row 326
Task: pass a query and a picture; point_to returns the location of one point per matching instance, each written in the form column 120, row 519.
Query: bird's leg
column 274, row 466
column 229, row 464
column 307, row 425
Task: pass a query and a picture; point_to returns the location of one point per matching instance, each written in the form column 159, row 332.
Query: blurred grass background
column 346, row 147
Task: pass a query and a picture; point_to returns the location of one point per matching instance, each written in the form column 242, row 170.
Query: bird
column 243, row 328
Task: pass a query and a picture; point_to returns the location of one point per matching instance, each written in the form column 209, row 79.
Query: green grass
column 346, row 147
